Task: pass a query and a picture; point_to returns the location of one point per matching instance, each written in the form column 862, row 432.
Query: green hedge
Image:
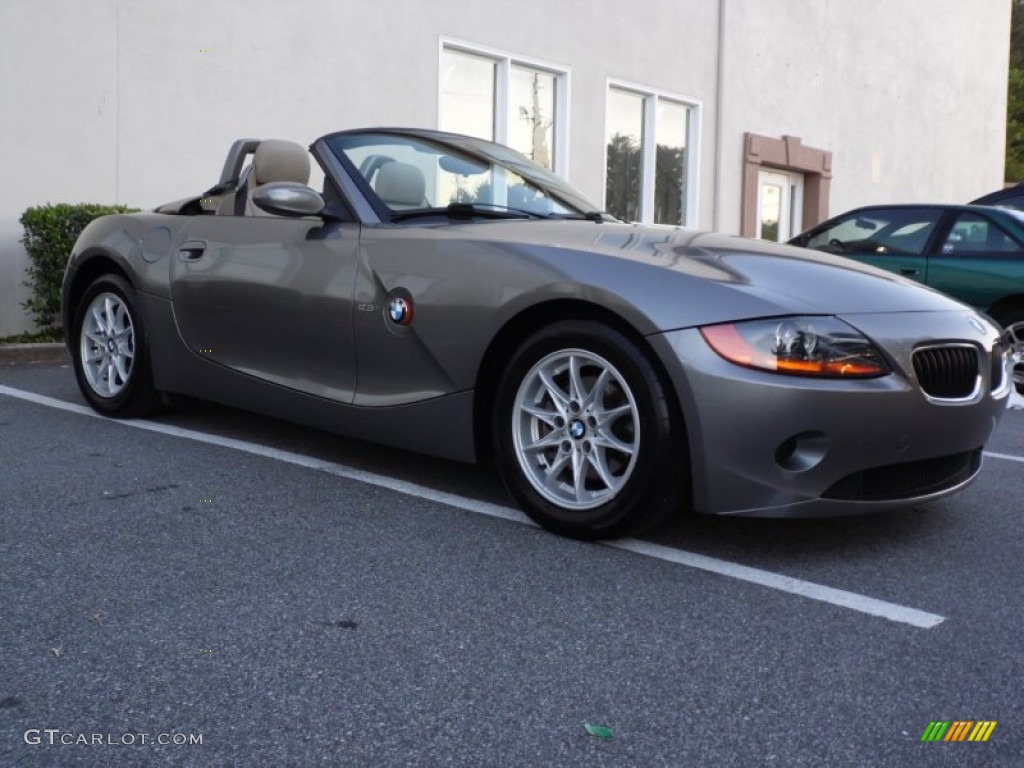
column 50, row 234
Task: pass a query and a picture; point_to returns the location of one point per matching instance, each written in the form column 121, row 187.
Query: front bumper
column 770, row 445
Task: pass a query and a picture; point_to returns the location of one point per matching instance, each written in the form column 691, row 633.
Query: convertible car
column 446, row 295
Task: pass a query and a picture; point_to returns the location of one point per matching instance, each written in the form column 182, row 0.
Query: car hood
column 680, row 278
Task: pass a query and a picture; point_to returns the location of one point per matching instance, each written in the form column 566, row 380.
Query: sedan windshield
column 415, row 174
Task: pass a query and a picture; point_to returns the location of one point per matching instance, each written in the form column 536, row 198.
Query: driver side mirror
column 287, row 198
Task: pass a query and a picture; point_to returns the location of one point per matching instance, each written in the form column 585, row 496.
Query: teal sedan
column 973, row 253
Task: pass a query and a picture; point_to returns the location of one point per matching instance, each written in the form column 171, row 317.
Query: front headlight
column 798, row 346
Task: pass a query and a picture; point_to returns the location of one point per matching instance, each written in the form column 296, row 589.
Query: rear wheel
column 585, row 436
column 109, row 351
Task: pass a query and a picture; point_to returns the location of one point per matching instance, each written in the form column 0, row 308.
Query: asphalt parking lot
column 292, row 598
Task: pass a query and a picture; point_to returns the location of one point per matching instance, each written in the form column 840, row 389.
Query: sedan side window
column 973, row 233
column 882, row 231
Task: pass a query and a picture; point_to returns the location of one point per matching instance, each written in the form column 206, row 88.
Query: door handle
column 909, row 271
column 191, row 251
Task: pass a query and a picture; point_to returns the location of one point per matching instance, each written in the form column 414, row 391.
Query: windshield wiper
column 470, row 211
column 595, row 216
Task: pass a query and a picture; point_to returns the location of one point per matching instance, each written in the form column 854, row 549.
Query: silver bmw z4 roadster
column 447, row 295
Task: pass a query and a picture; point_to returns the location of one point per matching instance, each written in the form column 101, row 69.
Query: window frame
column 504, row 62
column 651, row 97
column 946, row 249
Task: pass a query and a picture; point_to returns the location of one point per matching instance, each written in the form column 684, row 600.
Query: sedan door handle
column 910, row 271
column 191, row 251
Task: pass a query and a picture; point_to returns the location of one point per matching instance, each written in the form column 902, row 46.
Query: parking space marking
column 842, row 598
column 1006, row 456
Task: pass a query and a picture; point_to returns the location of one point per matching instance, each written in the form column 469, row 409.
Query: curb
column 11, row 354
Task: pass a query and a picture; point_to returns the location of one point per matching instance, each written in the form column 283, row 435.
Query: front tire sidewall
column 649, row 493
column 138, row 395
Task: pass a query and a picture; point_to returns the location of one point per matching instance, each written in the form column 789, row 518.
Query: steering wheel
column 836, row 243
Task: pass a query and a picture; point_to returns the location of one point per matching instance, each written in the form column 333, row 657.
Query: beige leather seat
column 401, row 185
column 273, row 160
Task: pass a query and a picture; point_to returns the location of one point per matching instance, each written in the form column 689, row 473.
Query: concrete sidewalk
column 11, row 354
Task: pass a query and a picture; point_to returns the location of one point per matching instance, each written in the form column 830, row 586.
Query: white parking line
column 838, row 597
column 1006, row 456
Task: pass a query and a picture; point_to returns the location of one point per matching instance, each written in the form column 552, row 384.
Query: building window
column 505, row 99
column 624, row 165
column 467, row 94
column 651, row 142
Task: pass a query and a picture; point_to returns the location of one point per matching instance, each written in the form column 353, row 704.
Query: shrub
column 50, row 234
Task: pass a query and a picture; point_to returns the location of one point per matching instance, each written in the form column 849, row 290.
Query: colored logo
column 958, row 730
column 400, row 311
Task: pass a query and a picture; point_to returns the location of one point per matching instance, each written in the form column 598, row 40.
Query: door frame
column 791, row 195
column 787, row 154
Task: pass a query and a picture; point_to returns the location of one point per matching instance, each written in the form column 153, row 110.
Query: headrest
column 400, row 183
column 278, row 160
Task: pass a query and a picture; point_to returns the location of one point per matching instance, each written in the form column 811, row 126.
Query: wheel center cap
column 111, row 345
column 577, row 429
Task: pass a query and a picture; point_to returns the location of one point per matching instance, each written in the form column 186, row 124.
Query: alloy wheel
column 576, row 429
column 107, row 345
column 1015, row 333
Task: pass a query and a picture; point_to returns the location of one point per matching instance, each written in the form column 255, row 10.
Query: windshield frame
column 485, row 153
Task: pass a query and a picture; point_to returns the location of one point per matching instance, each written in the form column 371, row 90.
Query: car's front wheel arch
column 91, row 267
column 663, row 475
column 507, row 339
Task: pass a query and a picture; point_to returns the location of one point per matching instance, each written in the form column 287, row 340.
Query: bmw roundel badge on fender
column 400, row 310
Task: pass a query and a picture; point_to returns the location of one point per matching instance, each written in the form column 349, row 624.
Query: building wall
column 120, row 101
column 909, row 97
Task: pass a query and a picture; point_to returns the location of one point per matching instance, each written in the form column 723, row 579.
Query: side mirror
column 287, row 198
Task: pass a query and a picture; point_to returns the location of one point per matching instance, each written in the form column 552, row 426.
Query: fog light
column 802, row 452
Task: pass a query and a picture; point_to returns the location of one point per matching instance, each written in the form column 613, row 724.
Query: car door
column 893, row 238
column 977, row 261
column 270, row 297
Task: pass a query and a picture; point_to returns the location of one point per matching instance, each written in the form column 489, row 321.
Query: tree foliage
column 1015, row 97
column 622, row 195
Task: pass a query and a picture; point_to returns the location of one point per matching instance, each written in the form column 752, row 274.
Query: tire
column 1012, row 320
column 599, row 458
column 109, row 350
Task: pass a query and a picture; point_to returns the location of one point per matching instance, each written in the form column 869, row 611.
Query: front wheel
column 109, row 350
column 585, row 435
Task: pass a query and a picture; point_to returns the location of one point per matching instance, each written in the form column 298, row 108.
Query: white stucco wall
column 117, row 101
column 910, row 97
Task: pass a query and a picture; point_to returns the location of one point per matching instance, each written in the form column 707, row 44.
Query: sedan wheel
column 1015, row 333
column 109, row 350
column 586, row 439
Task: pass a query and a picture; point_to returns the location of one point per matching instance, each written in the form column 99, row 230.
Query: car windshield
column 414, row 173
